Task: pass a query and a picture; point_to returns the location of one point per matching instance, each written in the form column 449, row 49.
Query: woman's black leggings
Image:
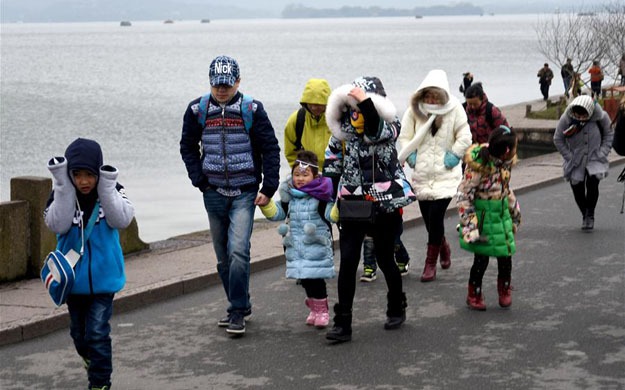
column 383, row 231
column 433, row 213
column 480, row 263
column 586, row 194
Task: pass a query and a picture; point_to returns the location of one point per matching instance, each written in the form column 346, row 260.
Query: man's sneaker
column 225, row 321
column 403, row 268
column 368, row 275
column 237, row 324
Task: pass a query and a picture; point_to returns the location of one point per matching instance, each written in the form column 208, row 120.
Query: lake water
column 128, row 87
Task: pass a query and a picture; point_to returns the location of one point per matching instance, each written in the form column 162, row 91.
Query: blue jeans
column 91, row 331
column 231, row 220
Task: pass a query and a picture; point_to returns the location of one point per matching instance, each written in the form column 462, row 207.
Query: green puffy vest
column 495, row 225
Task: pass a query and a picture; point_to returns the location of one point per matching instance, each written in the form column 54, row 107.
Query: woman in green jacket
column 489, row 213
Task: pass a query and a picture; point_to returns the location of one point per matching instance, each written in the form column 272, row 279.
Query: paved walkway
column 187, row 263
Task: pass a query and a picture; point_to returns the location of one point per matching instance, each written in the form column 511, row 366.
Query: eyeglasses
column 304, row 164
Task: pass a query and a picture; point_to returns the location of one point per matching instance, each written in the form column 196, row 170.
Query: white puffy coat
column 431, row 180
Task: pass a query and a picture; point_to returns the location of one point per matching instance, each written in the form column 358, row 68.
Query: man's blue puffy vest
column 227, row 158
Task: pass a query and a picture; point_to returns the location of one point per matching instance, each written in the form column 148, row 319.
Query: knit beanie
column 370, row 84
column 584, row 101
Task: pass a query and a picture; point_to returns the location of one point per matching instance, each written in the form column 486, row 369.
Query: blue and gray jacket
column 100, row 269
column 222, row 153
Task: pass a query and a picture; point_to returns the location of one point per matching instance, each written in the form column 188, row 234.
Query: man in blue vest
column 232, row 155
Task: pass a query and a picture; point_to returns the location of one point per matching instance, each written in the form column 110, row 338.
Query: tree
column 584, row 36
column 610, row 28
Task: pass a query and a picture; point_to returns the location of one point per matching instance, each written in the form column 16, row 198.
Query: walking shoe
column 475, row 298
column 99, row 388
column 395, row 310
column 368, row 275
column 310, row 320
column 394, row 322
column 342, row 329
column 403, row 268
column 588, row 222
column 237, row 324
column 225, row 321
column 505, row 292
column 431, row 258
column 445, row 254
column 322, row 317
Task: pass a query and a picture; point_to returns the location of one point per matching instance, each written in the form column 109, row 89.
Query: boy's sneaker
column 368, row 275
column 237, row 324
column 225, row 321
column 403, row 268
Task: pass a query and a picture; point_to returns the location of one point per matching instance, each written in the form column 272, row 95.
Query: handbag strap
column 362, row 176
column 86, row 232
column 92, row 219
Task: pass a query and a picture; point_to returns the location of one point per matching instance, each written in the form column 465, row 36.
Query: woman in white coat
column 434, row 136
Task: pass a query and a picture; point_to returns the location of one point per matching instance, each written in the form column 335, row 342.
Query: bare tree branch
column 595, row 34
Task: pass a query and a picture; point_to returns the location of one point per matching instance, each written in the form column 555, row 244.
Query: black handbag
column 356, row 210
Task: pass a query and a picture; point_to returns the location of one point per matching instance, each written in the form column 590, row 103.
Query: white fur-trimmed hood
column 339, row 103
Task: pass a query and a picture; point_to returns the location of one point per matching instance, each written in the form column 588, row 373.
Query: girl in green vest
column 489, row 213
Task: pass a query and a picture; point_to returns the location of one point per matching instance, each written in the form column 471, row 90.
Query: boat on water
column 168, row 21
column 125, row 23
column 205, row 21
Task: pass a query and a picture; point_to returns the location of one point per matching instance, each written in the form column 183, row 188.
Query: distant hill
column 299, row 11
column 116, row 10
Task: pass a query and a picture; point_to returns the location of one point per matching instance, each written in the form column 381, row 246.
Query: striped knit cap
column 584, row 101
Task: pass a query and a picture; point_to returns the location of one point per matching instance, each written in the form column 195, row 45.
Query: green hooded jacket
column 487, row 207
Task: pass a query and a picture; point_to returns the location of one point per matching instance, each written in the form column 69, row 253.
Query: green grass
column 551, row 112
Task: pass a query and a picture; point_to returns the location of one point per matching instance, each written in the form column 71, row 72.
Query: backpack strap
column 299, row 128
column 247, row 110
column 489, row 114
column 202, row 109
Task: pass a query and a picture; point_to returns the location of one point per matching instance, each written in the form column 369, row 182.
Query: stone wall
column 24, row 238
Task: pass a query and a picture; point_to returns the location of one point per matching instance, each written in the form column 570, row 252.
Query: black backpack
column 299, row 128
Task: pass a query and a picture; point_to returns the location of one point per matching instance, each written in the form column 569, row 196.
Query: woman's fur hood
column 436, row 78
column 339, row 104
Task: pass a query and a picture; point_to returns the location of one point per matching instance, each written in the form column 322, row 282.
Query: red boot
column 429, row 271
column 505, row 292
column 445, row 254
column 475, row 299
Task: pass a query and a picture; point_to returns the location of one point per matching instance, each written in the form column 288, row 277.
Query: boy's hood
column 316, row 91
column 84, row 154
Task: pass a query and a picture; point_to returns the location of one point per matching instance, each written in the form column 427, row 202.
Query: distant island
column 300, row 11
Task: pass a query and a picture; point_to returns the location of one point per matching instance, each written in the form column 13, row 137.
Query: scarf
column 432, row 110
column 319, row 188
